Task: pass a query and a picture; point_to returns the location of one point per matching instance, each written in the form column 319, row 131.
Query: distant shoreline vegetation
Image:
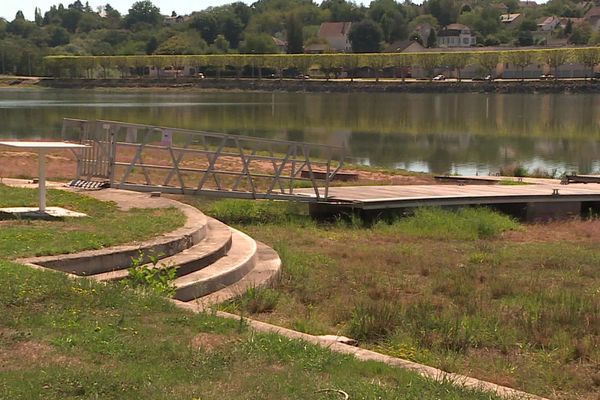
column 427, row 63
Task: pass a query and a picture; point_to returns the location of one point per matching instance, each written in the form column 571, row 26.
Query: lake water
column 441, row 133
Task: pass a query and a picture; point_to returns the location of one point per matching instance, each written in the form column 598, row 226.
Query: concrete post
column 42, row 180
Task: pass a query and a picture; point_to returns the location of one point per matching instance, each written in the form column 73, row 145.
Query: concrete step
column 94, row 262
column 266, row 273
column 215, row 245
column 227, row 270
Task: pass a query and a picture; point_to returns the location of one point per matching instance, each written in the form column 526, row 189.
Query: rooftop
column 328, row 29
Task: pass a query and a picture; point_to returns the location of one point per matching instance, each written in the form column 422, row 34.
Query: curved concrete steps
column 227, row 270
column 93, row 262
column 215, row 245
column 265, row 273
column 213, row 261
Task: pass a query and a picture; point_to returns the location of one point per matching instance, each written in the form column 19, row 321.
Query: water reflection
column 462, row 133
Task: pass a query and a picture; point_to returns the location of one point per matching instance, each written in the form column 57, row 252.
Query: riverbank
column 345, row 85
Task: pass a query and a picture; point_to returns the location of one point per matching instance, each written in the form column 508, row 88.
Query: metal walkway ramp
column 171, row 160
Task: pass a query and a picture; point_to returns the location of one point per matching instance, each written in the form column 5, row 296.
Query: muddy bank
column 290, row 85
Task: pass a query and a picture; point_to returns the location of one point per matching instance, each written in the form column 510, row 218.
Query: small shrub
column 260, row 300
column 517, row 170
column 158, row 277
column 373, row 320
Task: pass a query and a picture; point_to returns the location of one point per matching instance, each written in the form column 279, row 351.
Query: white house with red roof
column 335, row 34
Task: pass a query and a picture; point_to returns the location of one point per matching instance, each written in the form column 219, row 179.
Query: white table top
column 37, row 146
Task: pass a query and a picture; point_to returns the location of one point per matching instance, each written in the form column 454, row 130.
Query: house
column 574, row 21
column 318, row 48
column 593, row 18
column 423, row 30
column 404, row 46
column 281, row 44
column 176, row 19
column 548, row 24
column 528, row 4
column 511, row 20
column 335, row 34
column 456, row 35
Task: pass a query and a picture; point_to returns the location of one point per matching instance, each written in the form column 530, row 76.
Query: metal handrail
column 120, row 162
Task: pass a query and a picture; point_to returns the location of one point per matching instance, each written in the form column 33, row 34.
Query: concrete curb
column 367, row 355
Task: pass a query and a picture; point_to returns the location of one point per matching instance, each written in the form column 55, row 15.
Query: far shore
column 315, row 85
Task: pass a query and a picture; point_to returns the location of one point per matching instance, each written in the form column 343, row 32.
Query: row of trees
column 72, row 66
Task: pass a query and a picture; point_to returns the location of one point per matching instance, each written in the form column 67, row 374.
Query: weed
column 517, row 170
column 259, row 300
column 156, row 276
column 373, row 320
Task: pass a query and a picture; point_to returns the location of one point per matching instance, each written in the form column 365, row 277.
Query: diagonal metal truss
column 171, row 160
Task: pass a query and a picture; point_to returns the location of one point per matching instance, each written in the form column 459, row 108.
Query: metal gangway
column 182, row 161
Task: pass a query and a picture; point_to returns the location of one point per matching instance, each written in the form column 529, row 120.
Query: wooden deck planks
column 437, row 193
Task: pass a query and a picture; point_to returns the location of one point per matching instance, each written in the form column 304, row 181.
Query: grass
column 65, row 338
column 76, row 339
column 105, row 226
column 471, row 291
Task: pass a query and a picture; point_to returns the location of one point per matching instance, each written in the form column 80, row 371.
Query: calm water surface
column 463, row 133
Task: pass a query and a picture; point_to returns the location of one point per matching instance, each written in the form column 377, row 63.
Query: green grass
column 510, row 182
column 105, row 226
column 462, row 224
column 447, row 289
column 76, row 339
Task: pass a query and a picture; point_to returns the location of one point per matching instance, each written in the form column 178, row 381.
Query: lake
column 463, row 133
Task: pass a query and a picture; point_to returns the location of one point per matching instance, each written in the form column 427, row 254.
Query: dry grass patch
column 455, row 291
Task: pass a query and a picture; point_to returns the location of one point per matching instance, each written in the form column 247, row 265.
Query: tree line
column 78, row 30
column 328, row 64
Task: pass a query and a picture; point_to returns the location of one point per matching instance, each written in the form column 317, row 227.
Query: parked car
column 483, row 78
column 439, row 77
column 301, row 76
column 546, row 77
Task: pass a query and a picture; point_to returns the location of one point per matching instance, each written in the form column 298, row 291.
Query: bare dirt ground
column 61, row 165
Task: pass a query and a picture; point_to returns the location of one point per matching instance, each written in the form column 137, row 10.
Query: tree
column 525, row 38
column 189, row 42
column 343, row 11
column 429, row 62
column 206, row 23
column 220, row 45
column 590, row 57
column 58, row 36
column 520, row 58
column 457, row 61
column 152, row 45
column 70, row 19
column 569, row 27
column 554, row 59
column 431, row 39
column 489, row 62
column 38, row 17
column 581, row 34
column 365, row 37
column 231, row 26
column 258, row 44
column 445, row 11
column 390, row 17
column 295, row 42
column 143, row 12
